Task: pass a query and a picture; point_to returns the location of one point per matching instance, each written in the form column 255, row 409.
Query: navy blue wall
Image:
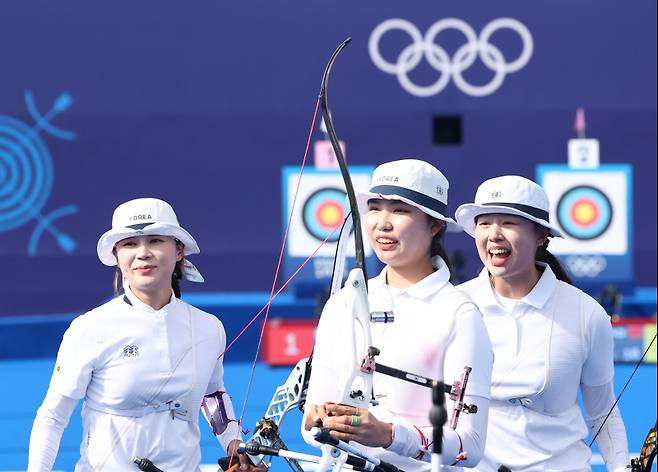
column 201, row 104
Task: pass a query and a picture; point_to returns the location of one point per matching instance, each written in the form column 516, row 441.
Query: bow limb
column 282, row 401
column 335, row 144
column 357, row 388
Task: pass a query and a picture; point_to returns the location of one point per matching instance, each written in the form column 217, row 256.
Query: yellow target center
column 585, row 212
column 330, row 215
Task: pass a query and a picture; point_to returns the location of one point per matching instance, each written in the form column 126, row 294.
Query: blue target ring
column 325, row 209
column 584, row 212
column 26, row 174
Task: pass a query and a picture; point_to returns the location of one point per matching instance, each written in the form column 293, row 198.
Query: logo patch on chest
column 131, row 351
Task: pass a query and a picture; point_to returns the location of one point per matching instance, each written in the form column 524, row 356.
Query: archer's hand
column 314, row 415
column 242, row 460
column 349, row 423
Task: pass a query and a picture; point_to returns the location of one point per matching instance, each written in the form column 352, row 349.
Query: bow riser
column 287, row 397
column 357, row 387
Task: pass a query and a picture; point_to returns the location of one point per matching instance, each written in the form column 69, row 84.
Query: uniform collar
column 537, row 297
column 543, row 289
column 137, row 303
column 423, row 289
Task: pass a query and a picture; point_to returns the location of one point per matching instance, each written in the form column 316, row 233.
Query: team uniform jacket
column 545, row 346
column 431, row 318
column 143, row 374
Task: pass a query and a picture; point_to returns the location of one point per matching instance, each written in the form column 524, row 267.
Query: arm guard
column 217, row 408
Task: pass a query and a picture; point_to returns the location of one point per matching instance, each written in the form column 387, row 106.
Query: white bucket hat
column 508, row 194
column 143, row 217
column 414, row 182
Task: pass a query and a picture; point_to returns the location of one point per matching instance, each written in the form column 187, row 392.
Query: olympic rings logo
column 450, row 67
column 586, row 266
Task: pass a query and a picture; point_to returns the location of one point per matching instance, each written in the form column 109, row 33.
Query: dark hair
column 545, row 256
column 176, row 276
column 436, row 248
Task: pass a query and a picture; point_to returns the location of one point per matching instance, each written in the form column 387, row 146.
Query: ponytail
column 118, row 281
column 178, row 270
column 175, row 278
column 437, row 249
column 545, row 256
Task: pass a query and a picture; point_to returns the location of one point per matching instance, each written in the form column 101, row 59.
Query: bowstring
column 268, row 305
column 285, row 284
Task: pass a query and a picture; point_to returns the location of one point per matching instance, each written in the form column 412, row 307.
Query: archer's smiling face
column 507, row 245
column 148, row 262
column 400, row 234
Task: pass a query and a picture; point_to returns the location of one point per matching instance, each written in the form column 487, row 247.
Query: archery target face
column 584, row 212
column 591, row 208
column 323, row 211
column 321, row 206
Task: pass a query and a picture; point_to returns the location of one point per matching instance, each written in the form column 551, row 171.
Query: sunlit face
column 400, row 234
column 507, row 245
column 148, row 262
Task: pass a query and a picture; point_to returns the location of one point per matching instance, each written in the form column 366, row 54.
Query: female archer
column 549, row 339
column 144, row 362
column 404, row 219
